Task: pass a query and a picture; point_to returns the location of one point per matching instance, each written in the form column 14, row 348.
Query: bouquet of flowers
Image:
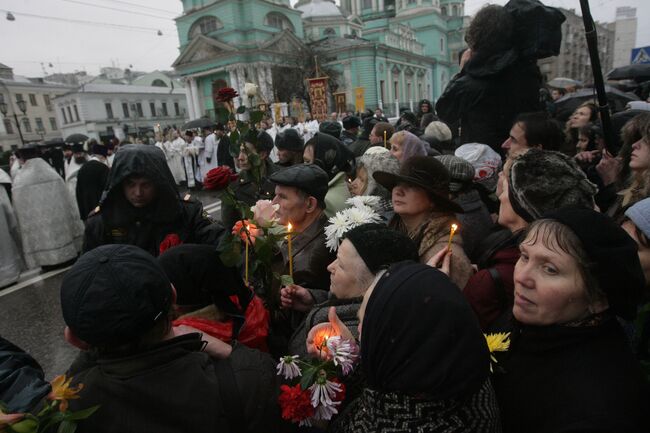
column 363, row 210
column 314, row 390
column 54, row 412
column 499, row 342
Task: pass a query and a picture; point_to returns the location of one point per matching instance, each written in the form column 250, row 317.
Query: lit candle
column 454, row 227
column 385, row 145
column 321, row 337
column 246, row 257
column 289, row 249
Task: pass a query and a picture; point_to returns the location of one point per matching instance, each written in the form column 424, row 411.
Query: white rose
column 250, row 89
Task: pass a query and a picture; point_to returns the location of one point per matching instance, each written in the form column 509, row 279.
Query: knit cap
column 640, row 215
column 380, row 246
column 542, row 181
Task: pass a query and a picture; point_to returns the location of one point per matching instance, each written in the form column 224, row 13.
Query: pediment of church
column 284, row 42
column 202, row 48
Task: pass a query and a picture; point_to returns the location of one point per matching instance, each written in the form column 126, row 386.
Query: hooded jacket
column 487, row 94
column 168, row 220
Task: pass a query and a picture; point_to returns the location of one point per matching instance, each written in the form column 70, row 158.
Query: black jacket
column 91, row 180
column 487, row 95
column 174, row 387
column 22, row 382
column 223, row 152
column 118, row 222
column 571, row 379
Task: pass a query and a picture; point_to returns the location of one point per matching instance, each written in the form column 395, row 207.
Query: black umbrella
column 569, row 102
column 203, row 122
column 638, row 72
column 55, row 142
column 76, row 138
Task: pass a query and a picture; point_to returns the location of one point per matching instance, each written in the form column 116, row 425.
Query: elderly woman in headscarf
column 337, row 160
column 375, row 159
column 570, row 366
column 425, row 360
column 404, row 145
column 365, row 252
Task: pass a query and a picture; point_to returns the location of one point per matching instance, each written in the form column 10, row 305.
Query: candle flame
column 289, row 227
column 454, row 227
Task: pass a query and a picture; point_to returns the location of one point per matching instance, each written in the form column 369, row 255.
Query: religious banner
column 318, row 97
column 359, row 99
column 339, row 100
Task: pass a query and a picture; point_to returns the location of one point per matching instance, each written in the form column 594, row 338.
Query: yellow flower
column 499, row 342
column 62, row 391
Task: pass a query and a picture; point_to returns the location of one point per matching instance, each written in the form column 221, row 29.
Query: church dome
column 318, row 8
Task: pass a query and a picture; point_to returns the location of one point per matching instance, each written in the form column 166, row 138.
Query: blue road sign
column 640, row 55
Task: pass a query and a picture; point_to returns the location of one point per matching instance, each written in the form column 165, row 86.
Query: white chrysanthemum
column 361, row 215
column 323, row 391
column 338, row 225
column 344, row 352
column 370, row 201
column 288, row 368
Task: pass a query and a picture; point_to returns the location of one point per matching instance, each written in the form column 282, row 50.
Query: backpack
column 538, row 28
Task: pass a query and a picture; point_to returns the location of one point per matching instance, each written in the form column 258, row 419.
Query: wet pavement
column 30, row 311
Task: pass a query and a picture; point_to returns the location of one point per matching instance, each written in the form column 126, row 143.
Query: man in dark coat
column 350, row 131
column 224, row 157
column 91, row 180
column 142, row 207
column 117, row 304
column 494, row 85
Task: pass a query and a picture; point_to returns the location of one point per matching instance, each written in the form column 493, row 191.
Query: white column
column 198, row 108
column 236, row 84
column 189, row 99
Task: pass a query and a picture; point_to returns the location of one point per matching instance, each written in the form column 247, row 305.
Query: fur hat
column 541, row 181
column 289, row 140
column 377, row 161
column 331, row 128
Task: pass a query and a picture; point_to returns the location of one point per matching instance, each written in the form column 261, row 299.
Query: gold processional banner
column 359, row 99
column 340, row 100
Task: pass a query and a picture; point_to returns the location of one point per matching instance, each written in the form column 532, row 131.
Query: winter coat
column 174, row 387
column 581, row 378
column 168, row 220
column 337, row 194
column 432, row 236
column 22, row 381
column 48, row 217
column 490, row 291
column 348, row 138
column 488, row 94
column 475, row 222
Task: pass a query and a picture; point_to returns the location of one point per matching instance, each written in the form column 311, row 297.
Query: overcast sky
column 88, row 34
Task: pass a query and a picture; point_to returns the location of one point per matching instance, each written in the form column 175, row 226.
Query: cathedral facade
column 396, row 51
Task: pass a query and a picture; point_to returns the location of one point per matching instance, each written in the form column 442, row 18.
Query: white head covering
column 487, row 163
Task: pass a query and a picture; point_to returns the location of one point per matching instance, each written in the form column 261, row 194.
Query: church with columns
column 397, row 51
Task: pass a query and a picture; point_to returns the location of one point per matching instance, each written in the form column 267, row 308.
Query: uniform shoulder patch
column 187, row 197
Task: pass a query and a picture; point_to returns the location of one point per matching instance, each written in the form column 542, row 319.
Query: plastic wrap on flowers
column 253, row 334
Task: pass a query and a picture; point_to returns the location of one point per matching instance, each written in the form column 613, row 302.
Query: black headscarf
column 420, row 336
column 330, row 154
column 200, row 278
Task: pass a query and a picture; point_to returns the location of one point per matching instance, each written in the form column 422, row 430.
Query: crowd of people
column 494, row 219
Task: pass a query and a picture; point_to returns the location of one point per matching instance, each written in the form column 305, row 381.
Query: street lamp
column 23, row 107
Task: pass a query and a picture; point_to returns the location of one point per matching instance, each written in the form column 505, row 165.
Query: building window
column 177, row 109
column 19, row 97
column 442, row 45
column 65, row 118
column 125, row 109
column 408, row 91
column 32, row 100
column 204, row 25
column 329, row 32
column 382, row 90
column 27, row 125
column 279, row 21
column 53, row 124
column 152, row 107
column 367, row 4
column 454, row 10
column 411, row 2
column 420, row 90
column 48, row 102
column 158, row 83
column 138, row 107
column 444, row 10
column 39, row 124
column 76, row 113
column 8, row 126
column 164, row 109
column 110, row 131
column 109, row 110
column 396, row 90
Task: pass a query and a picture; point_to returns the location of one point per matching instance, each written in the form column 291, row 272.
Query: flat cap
column 350, row 122
column 461, row 172
column 309, row 178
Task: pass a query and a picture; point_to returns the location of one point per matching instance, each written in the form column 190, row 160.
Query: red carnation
column 226, row 94
column 295, row 403
column 218, row 178
column 171, row 240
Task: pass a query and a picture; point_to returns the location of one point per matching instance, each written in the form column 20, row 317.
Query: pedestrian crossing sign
column 641, row 55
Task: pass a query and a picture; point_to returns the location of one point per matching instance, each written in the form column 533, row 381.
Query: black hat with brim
column 426, row 173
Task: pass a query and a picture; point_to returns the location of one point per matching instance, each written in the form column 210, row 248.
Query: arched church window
column 354, row 33
column 444, row 10
column 454, row 10
column 204, row 25
column 329, row 32
column 279, row 21
column 367, row 4
column 158, row 83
